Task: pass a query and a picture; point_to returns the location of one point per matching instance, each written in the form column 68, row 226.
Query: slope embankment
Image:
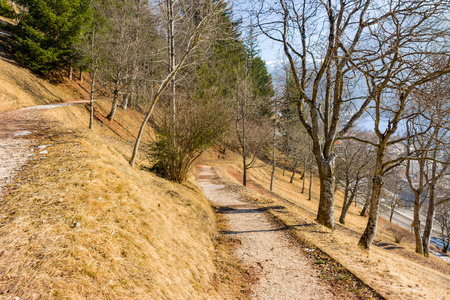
column 77, row 222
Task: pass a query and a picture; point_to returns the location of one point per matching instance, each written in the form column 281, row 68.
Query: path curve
column 20, row 132
column 282, row 270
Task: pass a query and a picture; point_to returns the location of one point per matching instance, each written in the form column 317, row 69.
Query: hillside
column 79, row 223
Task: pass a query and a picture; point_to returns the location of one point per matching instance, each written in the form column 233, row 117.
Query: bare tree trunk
column 129, row 94
column 392, row 212
column 347, row 207
column 115, row 100
column 141, row 130
column 310, row 182
column 431, row 205
column 344, row 205
column 126, row 95
column 371, row 229
column 293, row 172
column 244, row 178
column 377, row 183
column 429, row 222
column 416, row 223
column 325, row 214
column 365, row 207
column 91, row 99
column 304, row 175
column 346, row 191
column 244, row 147
column 274, row 163
column 445, row 240
column 171, row 49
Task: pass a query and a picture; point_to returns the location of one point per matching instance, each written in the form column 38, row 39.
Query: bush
column 398, row 233
column 199, row 125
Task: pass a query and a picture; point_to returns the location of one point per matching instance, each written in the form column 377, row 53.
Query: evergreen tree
column 226, row 59
column 43, row 40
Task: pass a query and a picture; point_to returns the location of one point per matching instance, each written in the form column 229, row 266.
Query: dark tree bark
column 112, row 113
column 310, row 183
column 294, row 168
column 347, row 203
column 371, row 229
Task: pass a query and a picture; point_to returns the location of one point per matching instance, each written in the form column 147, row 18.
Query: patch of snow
column 43, row 152
column 444, row 257
column 41, row 147
column 22, row 133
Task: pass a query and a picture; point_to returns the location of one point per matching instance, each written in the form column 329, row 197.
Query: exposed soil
column 278, row 265
column 20, row 131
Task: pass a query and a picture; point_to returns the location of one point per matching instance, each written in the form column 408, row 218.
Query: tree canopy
column 44, row 38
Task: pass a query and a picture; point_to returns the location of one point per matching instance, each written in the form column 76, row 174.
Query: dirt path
column 20, row 132
column 281, row 269
column 18, row 142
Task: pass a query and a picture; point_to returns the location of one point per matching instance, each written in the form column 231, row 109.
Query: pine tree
column 43, row 40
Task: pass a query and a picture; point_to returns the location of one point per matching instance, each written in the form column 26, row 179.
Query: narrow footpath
column 282, row 270
column 18, row 139
column 20, row 132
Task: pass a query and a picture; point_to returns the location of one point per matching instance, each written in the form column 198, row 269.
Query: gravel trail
column 281, row 269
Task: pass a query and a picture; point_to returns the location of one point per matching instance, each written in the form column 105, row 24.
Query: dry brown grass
column 393, row 270
column 22, row 88
column 81, row 223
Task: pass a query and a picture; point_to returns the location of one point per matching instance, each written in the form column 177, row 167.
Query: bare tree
column 353, row 160
column 399, row 63
column 319, row 40
column 443, row 219
column 120, row 48
column 391, row 191
column 274, row 150
column 252, row 128
column 429, row 152
column 193, row 40
column 91, row 48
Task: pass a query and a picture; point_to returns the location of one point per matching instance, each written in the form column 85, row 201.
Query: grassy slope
column 393, row 270
column 21, row 88
column 81, row 223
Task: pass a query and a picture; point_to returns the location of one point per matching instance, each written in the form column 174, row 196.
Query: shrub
column 199, row 125
column 398, row 233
